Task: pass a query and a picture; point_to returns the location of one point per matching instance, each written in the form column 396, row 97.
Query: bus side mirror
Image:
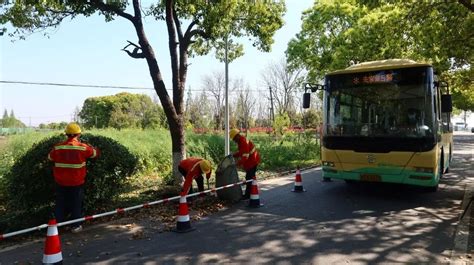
column 306, row 100
column 446, row 103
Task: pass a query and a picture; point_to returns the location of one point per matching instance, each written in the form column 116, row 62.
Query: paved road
column 331, row 223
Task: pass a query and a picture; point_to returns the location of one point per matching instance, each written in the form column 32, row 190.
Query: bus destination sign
column 371, row 79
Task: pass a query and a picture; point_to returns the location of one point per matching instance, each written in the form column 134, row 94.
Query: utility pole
column 272, row 114
column 226, row 133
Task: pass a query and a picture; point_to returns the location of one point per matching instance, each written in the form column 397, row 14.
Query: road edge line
column 461, row 236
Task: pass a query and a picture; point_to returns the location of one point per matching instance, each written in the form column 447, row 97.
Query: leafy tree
column 123, row 110
column 154, row 118
column 312, row 118
column 336, row 33
column 96, row 112
column 5, row 119
column 128, row 110
column 461, row 84
column 10, row 121
column 282, row 122
column 210, row 24
column 440, row 31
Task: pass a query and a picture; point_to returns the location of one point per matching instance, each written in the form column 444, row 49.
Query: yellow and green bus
column 385, row 121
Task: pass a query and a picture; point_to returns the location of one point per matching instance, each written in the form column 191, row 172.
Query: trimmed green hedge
column 30, row 184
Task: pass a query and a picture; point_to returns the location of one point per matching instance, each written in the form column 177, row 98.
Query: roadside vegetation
column 152, row 174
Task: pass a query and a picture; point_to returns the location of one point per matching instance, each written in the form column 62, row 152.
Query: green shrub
column 287, row 153
column 207, row 146
column 30, row 184
column 151, row 147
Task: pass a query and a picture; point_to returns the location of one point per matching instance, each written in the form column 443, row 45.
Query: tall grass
column 285, row 153
column 153, row 147
column 14, row 147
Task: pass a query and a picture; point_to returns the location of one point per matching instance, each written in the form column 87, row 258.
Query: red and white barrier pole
column 118, row 210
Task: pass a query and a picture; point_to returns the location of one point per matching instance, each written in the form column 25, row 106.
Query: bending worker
column 69, row 172
column 193, row 168
column 247, row 157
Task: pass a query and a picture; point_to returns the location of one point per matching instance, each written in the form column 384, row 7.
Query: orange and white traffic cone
column 183, row 224
column 298, row 182
column 52, row 246
column 254, row 201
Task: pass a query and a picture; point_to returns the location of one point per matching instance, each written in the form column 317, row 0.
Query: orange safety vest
column 69, row 159
column 193, row 170
column 248, row 154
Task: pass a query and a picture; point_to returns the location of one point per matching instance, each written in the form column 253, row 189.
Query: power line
column 43, row 117
column 72, row 85
column 107, row 86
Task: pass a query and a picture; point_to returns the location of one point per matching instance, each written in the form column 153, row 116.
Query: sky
column 87, row 51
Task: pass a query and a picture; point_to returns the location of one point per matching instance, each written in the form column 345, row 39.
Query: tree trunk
column 174, row 117
column 178, row 148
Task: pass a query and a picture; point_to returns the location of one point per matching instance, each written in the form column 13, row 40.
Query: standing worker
column 193, row 168
column 69, row 172
column 248, row 157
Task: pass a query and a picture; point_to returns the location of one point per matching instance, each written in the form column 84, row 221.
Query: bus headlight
column 424, row 169
column 328, row 163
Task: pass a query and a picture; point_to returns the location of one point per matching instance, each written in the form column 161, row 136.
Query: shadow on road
column 333, row 222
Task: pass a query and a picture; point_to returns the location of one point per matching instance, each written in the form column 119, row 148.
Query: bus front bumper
column 406, row 177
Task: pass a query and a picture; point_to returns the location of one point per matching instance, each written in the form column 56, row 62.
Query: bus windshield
column 387, row 103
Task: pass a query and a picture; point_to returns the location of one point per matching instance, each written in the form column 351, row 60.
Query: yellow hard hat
column 205, row 166
column 73, row 128
column 233, row 133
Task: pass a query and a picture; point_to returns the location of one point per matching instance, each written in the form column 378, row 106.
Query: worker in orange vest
column 247, row 157
column 193, row 168
column 69, row 172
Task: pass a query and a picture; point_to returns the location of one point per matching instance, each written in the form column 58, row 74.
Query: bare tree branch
column 284, row 84
column 215, row 84
column 177, row 24
column 190, row 27
column 200, row 32
column 137, row 52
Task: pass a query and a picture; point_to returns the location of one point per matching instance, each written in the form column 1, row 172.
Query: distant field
column 3, row 141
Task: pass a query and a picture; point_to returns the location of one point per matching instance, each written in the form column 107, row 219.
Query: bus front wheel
column 449, row 159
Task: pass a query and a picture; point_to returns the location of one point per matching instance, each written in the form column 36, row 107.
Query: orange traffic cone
column 298, row 182
column 254, row 201
column 52, row 246
column 183, row 224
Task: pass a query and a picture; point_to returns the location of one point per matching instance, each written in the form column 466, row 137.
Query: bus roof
column 379, row 65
